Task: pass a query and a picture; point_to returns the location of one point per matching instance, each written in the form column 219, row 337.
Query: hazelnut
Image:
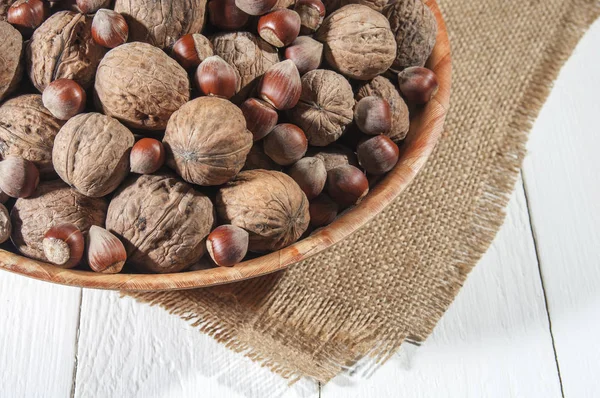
column 255, row 7
column 358, row 42
column 417, row 84
column 18, row 177
column 105, row 252
column 53, row 203
column 206, row 141
column 310, row 175
column 11, row 67
column 334, row 155
column 109, row 28
column 88, row 6
column 306, row 53
column 224, row 14
column 162, row 221
column 27, row 15
column 378, row 155
column 280, row 27
column 285, row 144
column 5, row 224
column 64, row 98
column 281, row 85
column 64, row 245
column 190, row 50
column 91, row 153
column 147, row 156
column 260, row 117
column 347, row 185
column 311, row 14
column 267, row 204
column 415, row 29
column 227, row 245
column 322, row 211
column 216, row 77
column 373, row 115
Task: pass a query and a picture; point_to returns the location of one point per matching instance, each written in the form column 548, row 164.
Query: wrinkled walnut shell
column 358, row 42
column 267, row 204
column 141, row 86
column 325, row 107
column 415, row 29
column 162, row 22
column 383, row 88
column 207, row 142
column 27, row 129
column 11, row 50
column 63, row 47
column 162, row 221
column 251, row 56
column 91, row 153
column 333, row 5
column 53, row 203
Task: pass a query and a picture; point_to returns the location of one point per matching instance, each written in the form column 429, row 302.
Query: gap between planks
column 76, row 359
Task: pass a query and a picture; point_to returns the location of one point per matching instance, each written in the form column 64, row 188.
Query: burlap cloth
column 393, row 280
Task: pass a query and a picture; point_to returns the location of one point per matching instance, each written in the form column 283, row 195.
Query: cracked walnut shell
column 53, row 203
column 162, row 221
column 63, row 48
column 91, row 153
column 141, row 86
column 207, row 142
column 267, row 204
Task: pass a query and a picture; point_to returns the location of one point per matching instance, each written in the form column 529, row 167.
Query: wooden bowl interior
column 425, row 130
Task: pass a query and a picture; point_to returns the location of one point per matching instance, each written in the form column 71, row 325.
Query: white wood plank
column 563, row 187
column 37, row 337
column 493, row 342
column 131, row 350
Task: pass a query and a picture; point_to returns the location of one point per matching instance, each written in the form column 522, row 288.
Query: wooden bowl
column 425, row 130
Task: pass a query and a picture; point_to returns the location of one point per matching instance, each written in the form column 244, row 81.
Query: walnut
column 207, row 141
column 251, row 56
column 162, row 221
column 383, row 88
column 258, row 159
column 334, row 155
column 415, row 29
column 27, row 129
column 358, row 42
column 62, row 47
column 11, row 50
column 162, row 22
column 91, row 153
column 267, row 204
column 325, row 106
column 4, row 6
column 141, row 86
column 332, row 5
column 53, row 203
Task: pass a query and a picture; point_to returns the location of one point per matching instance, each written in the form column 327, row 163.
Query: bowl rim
column 414, row 154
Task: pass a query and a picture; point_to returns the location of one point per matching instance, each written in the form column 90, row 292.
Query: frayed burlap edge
column 362, row 335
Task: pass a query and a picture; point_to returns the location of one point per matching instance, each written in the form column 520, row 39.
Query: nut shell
column 141, row 86
column 64, row 98
column 378, row 155
column 258, row 159
column 417, row 84
column 255, row 7
column 352, row 24
column 280, row 27
column 18, row 177
column 11, row 48
column 91, row 153
column 306, row 53
column 383, row 88
column 190, row 50
column 207, row 141
column 310, row 175
column 267, row 204
column 251, row 56
column 63, row 47
column 281, row 85
column 415, row 29
column 227, row 245
column 225, row 15
column 147, row 156
column 4, row 6
column 334, row 155
column 286, row 144
column 325, row 107
column 260, row 117
column 347, row 185
column 105, row 252
column 53, row 203
column 377, row 5
column 373, row 115
column 27, row 129
column 64, row 245
column 162, row 22
column 109, row 28
column 5, row 224
column 323, row 211
column 162, row 221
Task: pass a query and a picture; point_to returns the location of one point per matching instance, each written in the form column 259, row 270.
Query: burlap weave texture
column 394, row 279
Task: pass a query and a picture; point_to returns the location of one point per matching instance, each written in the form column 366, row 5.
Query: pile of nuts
column 148, row 135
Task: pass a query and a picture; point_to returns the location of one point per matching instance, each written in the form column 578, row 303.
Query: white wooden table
column 526, row 324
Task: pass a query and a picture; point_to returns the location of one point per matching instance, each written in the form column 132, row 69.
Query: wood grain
column 424, row 133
